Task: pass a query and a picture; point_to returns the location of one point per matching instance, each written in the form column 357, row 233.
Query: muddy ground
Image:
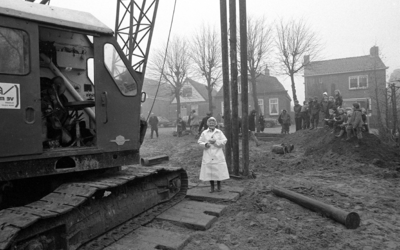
column 364, row 180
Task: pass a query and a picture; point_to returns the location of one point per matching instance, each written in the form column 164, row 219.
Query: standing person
column 180, row 126
column 252, row 127
column 194, row 122
column 338, row 99
column 297, row 114
column 284, row 119
column 305, row 117
column 331, row 104
column 325, row 107
column 355, row 124
column 153, row 121
column 203, row 124
column 261, row 122
column 213, row 164
column 314, row 113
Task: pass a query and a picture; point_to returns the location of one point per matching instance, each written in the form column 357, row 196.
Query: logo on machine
column 9, row 96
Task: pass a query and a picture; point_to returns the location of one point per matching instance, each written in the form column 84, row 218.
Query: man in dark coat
column 297, row 115
column 153, row 121
column 252, row 127
column 252, row 121
column 203, row 124
column 314, row 112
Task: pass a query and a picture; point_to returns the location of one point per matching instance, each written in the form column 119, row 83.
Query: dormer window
column 187, row 91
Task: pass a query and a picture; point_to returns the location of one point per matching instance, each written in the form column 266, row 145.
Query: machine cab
column 66, row 89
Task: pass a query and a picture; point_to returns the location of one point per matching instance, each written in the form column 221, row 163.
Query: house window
column 273, row 106
column 187, row 92
column 363, row 102
column 358, row 82
column 261, row 105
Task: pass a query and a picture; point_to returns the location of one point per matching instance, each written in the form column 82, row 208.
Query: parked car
column 270, row 122
column 164, row 122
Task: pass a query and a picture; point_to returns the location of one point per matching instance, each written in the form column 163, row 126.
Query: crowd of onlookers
column 351, row 122
column 328, row 110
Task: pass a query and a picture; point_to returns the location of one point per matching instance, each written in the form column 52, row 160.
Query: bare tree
column 176, row 68
column 206, row 54
column 295, row 40
column 259, row 48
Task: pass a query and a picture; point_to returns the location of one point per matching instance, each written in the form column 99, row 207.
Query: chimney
column 306, row 59
column 374, row 51
column 266, row 71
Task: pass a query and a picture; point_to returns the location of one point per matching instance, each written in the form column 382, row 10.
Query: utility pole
column 394, row 107
column 234, row 86
column 244, row 82
column 225, row 79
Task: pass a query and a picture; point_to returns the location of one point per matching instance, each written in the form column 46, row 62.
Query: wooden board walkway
column 197, row 214
column 146, row 238
column 202, row 194
column 193, row 214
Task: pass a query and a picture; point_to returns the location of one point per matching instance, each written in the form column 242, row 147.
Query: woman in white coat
column 213, row 165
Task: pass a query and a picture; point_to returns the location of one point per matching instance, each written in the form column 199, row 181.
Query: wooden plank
column 9, row 217
column 203, row 194
column 201, row 207
column 146, row 238
column 231, row 189
column 195, row 219
column 7, row 234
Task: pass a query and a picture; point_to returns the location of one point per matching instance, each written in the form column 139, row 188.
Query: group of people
column 307, row 116
column 350, row 122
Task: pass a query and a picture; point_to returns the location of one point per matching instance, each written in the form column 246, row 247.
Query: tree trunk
column 293, row 88
column 178, row 105
column 210, row 101
column 255, row 99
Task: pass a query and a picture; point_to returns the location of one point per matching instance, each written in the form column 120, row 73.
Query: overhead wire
column 165, row 57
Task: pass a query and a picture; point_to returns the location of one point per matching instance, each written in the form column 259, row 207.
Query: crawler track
column 93, row 213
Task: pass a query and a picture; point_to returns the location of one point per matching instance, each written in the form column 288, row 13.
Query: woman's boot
column 218, row 186
column 212, row 186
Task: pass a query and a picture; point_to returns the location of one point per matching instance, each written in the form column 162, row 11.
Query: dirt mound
column 317, row 143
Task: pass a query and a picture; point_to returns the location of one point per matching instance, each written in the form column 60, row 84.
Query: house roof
column 344, row 65
column 201, row 88
column 266, row 84
column 164, row 92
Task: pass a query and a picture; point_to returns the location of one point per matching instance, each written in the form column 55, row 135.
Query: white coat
column 213, row 165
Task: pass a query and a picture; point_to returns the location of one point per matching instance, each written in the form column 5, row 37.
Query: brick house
column 194, row 96
column 272, row 97
column 356, row 78
column 162, row 101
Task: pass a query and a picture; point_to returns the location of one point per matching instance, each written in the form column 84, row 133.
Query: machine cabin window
column 14, row 51
column 119, row 72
